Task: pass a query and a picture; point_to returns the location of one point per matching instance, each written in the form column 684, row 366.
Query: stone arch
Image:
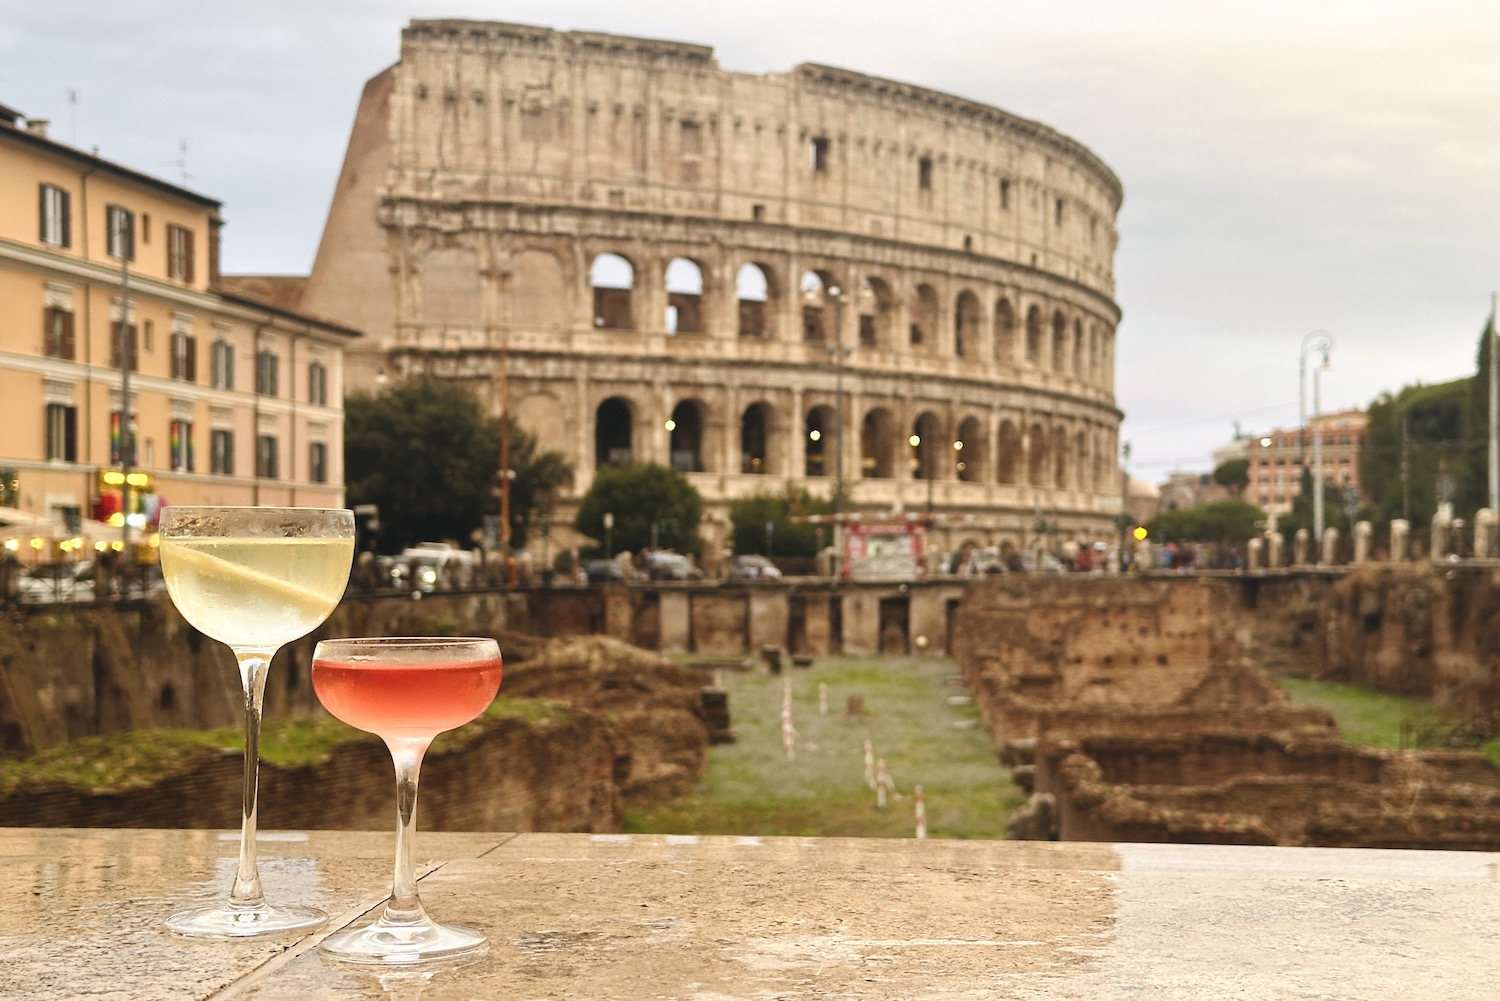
column 451, row 295
column 539, row 297
column 683, row 280
column 614, row 432
column 924, row 318
column 1059, row 341
column 1034, row 337
column 1036, row 455
column 612, row 277
column 1005, row 333
column 818, row 309
column 821, row 431
column 1082, row 464
column 755, row 439
column 877, row 444
column 927, row 454
column 1060, row 457
column 1080, row 357
column 876, row 305
column 685, row 437
column 1008, row 454
column 966, row 325
column 757, row 294
column 971, row 451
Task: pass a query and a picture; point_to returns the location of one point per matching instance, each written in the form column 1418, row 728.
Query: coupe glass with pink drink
column 406, row 690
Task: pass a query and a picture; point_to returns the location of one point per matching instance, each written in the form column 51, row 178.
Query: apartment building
column 131, row 376
column 1277, row 459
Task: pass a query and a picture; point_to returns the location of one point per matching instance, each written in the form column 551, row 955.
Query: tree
column 749, row 516
column 1225, row 522
column 651, row 504
column 426, row 456
column 1234, row 475
column 534, row 489
column 1416, row 442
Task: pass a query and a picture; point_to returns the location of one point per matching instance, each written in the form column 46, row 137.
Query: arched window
column 1060, row 464
column 966, row 325
column 969, row 449
column 685, row 432
column 1080, row 359
column 926, row 447
column 1005, row 333
column 755, row 427
column 877, row 441
column 821, row 431
column 684, row 281
column 613, row 432
column 1035, row 443
column 1009, row 454
column 876, row 305
column 613, row 280
column 819, row 310
column 753, row 286
column 1059, row 342
column 1034, row 337
column 924, row 316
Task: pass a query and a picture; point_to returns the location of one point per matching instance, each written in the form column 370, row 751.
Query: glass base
column 223, row 922
column 394, row 943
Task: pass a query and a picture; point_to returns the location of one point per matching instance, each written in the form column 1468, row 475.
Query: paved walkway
column 619, row 918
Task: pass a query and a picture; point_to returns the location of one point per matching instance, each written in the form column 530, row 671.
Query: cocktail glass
column 405, row 690
column 253, row 578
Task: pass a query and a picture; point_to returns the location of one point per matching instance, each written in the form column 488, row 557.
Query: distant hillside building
column 812, row 277
column 229, row 400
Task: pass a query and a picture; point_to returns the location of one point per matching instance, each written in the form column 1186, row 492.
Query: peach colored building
column 230, row 399
column 1276, row 460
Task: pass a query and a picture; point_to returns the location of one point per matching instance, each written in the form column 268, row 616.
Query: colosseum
column 889, row 295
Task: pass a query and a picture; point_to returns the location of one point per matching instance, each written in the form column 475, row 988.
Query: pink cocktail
column 406, row 690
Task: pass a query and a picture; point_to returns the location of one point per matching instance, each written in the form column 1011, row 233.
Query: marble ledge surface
column 606, row 917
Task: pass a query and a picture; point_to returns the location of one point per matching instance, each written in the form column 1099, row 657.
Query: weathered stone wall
column 68, row 672
column 616, row 723
column 557, row 774
column 1134, row 709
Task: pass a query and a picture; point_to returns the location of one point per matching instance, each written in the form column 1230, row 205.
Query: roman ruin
column 863, row 287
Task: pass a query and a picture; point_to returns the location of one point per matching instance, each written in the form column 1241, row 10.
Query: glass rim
column 252, row 507
column 372, row 644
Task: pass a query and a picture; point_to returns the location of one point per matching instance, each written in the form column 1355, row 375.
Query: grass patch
column 1366, row 717
column 751, row 786
column 137, row 758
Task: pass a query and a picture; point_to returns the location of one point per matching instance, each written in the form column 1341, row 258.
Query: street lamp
column 1318, row 341
column 609, row 534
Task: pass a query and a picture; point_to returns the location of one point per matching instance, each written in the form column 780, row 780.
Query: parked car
column 749, row 566
column 432, row 566
column 604, row 571
column 672, row 566
column 57, row 582
column 1050, row 563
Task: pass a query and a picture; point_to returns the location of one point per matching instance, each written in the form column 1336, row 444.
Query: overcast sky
column 1288, row 167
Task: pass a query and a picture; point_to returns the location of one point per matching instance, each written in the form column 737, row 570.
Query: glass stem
column 404, row 906
column 254, row 664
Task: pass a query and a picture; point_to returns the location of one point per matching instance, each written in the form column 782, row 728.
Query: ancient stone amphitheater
column 815, row 277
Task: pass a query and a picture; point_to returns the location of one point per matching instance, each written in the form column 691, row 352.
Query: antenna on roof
column 73, row 116
column 181, row 162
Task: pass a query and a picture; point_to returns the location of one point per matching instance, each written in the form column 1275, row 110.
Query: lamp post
column 1318, row 341
column 609, row 534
